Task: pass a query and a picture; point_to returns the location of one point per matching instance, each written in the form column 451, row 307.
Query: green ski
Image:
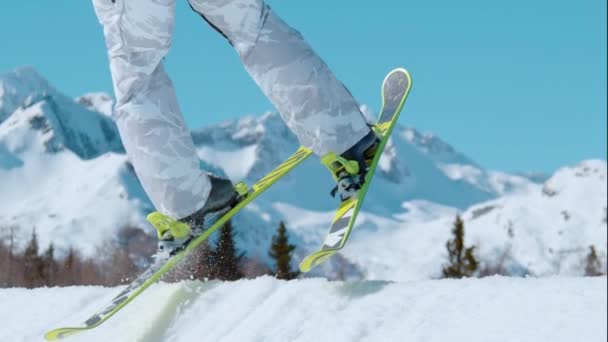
column 163, row 265
column 395, row 89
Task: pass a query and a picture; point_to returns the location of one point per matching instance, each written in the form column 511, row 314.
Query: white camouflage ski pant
column 312, row 102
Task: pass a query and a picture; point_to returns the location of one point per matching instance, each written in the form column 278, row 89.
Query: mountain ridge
column 62, row 170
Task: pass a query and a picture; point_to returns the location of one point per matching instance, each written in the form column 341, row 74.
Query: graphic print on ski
column 161, row 267
column 395, row 89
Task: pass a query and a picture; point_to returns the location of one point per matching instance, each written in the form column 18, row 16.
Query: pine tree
column 15, row 261
column 4, row 264
column 49, row 266
column 70, row 274
column 462, row 262
column 281, row 251
column 593, row 266
column 32, row 264
column 226, row 260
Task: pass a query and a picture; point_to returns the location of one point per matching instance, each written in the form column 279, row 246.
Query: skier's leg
column 312, row 102
column 138, row 35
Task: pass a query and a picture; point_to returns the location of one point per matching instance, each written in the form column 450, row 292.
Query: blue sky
column 516, row 85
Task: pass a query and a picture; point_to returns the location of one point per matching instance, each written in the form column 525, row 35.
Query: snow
column 468, row 173
column 108, row 196
column 236, row 164
column 266, row 309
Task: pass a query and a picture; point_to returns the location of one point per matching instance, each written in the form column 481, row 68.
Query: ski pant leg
column 158, row 143
column 313, row 103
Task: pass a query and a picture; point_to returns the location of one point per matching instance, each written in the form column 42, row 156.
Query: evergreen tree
column 226, row 261
column 32, row 264
column 4, row 264
column 281, row 251
column 462, row 262
column 14, row 261
column 49, row 266
column 593, row 266
column 12, row 274
column 71, row 268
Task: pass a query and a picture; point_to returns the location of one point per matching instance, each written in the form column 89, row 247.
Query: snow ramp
column 266, row 309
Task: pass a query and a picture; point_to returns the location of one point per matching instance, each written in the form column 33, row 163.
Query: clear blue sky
column 516, row 85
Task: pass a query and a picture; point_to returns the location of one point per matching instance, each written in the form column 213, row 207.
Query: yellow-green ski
column 395, row 89
column 161, row 267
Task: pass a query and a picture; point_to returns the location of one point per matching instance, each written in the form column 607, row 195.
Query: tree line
column 118, row 262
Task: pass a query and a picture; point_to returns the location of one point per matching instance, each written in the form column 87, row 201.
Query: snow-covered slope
column 546, row 230
column 65, row 174
column 72, row 202
column 265, row 309
column 571, row 209
column 62, row 167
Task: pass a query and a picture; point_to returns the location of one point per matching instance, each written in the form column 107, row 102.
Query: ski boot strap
column 336, row 164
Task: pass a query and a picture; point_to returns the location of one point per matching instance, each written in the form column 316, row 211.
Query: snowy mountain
column 266, row 309
column 543, row 231
column 63, row 172
column 43, row 120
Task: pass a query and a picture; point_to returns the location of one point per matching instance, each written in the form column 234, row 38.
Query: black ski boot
column 222, row 196
column 174, row 234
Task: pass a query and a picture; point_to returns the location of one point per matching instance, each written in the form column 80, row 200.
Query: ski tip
column 398, row 76
column 399, row 70
column 61, row 333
